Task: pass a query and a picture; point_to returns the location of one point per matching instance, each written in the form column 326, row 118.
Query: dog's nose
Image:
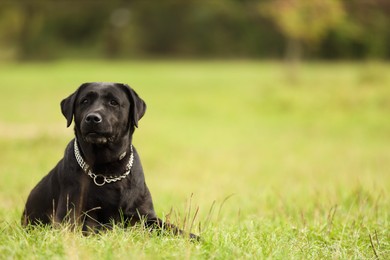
column 94, row 118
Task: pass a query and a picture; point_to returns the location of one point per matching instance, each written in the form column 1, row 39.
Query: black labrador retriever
column 100, row 180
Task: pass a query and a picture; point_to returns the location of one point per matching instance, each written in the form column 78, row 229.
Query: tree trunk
column 293, row 57
column 25, row 49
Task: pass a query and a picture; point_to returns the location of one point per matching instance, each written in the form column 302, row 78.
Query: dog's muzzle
column 94, row 130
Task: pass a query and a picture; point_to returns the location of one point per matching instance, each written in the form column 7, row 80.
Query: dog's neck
column 97, row 155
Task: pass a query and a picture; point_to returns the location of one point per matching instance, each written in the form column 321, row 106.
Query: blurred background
column 226, row 114
column 218, row 68
column 258, row 29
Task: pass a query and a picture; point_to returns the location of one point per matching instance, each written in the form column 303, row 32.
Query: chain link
column 100, row 179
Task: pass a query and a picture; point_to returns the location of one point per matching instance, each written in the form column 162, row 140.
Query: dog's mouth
column 98, row 138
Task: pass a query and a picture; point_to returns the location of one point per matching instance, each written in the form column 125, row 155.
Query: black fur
column 105, row 116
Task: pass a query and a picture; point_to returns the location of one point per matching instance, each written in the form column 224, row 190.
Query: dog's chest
column 107, row 196
column 93, row 196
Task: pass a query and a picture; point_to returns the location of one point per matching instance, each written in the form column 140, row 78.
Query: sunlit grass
column 264, row 165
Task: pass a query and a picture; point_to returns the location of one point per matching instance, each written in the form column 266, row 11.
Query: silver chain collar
column 100, row 179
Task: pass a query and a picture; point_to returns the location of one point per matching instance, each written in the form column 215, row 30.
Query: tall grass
column 259, row 164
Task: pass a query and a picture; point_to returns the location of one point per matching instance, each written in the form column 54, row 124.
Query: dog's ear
column 67, row 105
column 137, row 105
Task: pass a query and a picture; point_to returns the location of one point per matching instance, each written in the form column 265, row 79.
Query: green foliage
column 260, row 166
column 307, row 20
column 47, row 30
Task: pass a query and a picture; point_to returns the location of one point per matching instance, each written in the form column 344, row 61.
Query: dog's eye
column 114, row 103
column 84, row 101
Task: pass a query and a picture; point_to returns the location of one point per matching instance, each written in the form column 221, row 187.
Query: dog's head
column 103, row 112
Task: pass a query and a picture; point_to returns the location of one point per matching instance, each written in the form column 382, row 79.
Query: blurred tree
column 362, row 34
column 47, row 29
column 10, row 20
column 368, row 24
column 20, row 24
column 28, row 30
column 302, row 21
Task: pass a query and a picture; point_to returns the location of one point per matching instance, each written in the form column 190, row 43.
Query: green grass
column 267, row 166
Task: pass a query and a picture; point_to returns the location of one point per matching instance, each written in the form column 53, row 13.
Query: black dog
column 100, row 180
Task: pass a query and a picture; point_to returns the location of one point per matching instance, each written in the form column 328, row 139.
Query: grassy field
column 260, row 164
